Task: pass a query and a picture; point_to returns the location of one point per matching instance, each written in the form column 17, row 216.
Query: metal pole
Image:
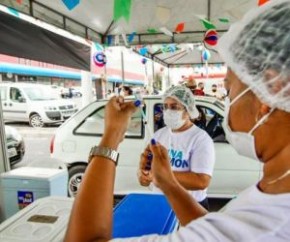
column 153, row 74
column 122, row 66
column 4, row 164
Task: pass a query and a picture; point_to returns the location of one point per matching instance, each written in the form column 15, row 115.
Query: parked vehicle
column 15, row 145
column 33, row 103
column 70, row 92
column 73, row 140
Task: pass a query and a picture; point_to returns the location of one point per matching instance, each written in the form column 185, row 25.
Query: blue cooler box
column 143, row 214
column 22, row 186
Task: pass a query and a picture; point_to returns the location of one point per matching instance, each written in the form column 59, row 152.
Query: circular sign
column 100, row 59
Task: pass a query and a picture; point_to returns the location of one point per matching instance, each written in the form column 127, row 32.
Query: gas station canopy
column 148, row 23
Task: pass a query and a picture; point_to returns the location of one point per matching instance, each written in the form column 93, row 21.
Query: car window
column 94, row 124
column 208, row 119
column 211, row 122
column 3, row 91
column 15, row 94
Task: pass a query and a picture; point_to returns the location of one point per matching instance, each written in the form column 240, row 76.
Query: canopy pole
column 152, row 81
column 4, row 164
column 122, row 66
column 86, row 80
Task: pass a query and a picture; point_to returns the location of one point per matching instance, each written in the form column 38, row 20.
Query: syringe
column 138, row 103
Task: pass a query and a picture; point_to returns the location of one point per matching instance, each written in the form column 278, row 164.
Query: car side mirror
column 22, row 100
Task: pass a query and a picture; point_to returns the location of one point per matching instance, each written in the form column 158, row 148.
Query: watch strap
column 104, row 152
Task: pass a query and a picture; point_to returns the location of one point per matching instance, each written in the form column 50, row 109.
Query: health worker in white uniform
column 190, row 149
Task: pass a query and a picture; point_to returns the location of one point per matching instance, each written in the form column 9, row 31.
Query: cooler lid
column 33, row 172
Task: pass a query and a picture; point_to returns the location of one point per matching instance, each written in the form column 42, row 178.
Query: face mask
column 243, row 143
column 173, row 119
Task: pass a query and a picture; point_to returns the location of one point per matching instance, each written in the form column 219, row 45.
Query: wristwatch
column 104, row 152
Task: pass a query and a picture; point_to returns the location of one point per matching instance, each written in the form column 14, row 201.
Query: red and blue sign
column 100, row 59
column 211, row 37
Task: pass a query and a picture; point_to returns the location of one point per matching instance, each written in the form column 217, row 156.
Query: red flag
column 261, row 2
column 19, row 1
column 179, row 28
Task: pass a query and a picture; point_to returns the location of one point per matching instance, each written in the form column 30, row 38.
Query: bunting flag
column 207, row 24
column 151, row 31
column 143, row 51
column 71, row 4
column 109, row 39
column 179, row 28
column 124, row 39
column 122, row 8
column 131, row 37
column 262, row 2
column 98, row 46
column 224, row 20
column 166, row 31
column 13, row 11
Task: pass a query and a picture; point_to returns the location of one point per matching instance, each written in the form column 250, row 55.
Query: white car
column 73, row 140
column 34, row 103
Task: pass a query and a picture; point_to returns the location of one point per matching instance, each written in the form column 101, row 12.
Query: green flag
column 122, row 8
column 224, row 20
column 152, row 31
column 207, row 24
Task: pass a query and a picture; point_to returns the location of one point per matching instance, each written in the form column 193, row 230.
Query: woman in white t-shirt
column 257, row 124
column 191, row 150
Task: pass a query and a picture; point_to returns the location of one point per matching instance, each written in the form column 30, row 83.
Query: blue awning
column 129, row 82
column 48, row 72
column 37, row 71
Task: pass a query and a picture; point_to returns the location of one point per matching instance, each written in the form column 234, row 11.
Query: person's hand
column 160, row 167
column 144, row 174
column 117, row 117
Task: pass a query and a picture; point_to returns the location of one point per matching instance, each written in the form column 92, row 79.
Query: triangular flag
column 166, row 31
column 224, row 20
column 152, row 31
column 261, row 2
column 131, row 37
column 71, row 4
column 179, row 28
column 143, row 51
column 13, row 11
column 122, row 8
column 98, row 46
column 124, row 39
column 207, row 24
column 109, row 39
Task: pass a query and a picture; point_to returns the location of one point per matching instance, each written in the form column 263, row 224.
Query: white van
column 33, row 103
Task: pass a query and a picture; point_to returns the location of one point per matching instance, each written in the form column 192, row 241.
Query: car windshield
column 39, row 94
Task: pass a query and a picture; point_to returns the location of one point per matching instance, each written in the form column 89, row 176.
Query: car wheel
column 76, row 174
column 36, row 121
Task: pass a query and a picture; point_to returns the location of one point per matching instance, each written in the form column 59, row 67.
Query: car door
column 89, row 132
column 232, row 172
column 4, row 100
column 15, row 107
